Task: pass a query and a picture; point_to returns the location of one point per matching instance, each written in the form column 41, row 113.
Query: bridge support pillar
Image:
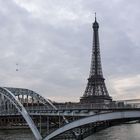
column 48, row 127
column 80, row 137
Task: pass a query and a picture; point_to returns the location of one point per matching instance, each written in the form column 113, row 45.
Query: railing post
column 59, row 119
column 40, row 124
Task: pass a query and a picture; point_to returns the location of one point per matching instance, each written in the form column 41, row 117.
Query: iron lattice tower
column 96, row 91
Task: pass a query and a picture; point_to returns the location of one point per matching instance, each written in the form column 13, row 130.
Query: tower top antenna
column 95, row 16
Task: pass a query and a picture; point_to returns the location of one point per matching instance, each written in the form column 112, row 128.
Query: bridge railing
column 112, row 105
column 123, row 104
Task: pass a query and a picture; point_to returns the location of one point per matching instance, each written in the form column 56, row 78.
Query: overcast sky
column 51, row 42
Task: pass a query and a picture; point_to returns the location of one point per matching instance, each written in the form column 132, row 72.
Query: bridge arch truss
column 11, row 95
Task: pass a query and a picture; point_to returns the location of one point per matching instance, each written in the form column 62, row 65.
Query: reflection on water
column 121, row 132
column 21, row 134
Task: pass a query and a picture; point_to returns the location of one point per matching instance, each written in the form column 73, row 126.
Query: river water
column 121, row 132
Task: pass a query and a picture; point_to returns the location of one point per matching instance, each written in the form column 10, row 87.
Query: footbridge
column 26, row 108
column 91, row 124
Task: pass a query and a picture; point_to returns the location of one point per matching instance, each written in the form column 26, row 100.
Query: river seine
column 121, row 132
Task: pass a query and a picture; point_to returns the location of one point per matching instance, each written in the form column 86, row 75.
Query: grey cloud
column 52, row 40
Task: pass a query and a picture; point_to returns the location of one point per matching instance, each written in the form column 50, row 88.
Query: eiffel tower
column 96, row 91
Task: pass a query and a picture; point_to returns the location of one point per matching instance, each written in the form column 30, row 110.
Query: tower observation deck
column 96, row 91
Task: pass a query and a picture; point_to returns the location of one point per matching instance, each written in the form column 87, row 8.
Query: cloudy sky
column 51, row 41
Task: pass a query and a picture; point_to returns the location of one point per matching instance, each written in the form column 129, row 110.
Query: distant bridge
column 22, row 107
